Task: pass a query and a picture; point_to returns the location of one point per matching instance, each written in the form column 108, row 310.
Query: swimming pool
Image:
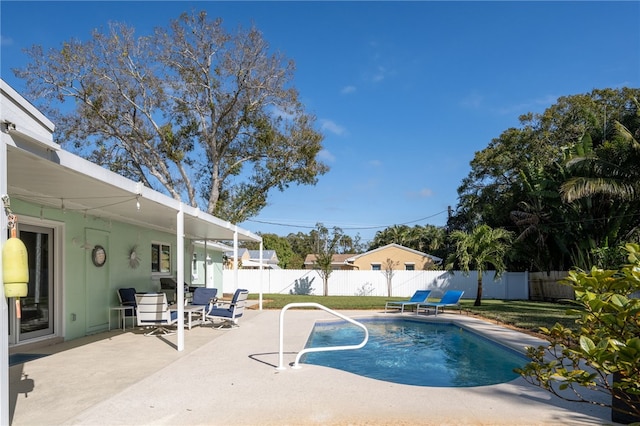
column 414, row 352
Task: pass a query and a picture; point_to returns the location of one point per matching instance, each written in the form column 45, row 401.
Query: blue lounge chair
column 449, row 298
column 420, row 296
column 229, row 314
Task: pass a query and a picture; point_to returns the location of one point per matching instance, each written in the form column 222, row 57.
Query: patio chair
column 204, row 297
column 169, row 286
column 229, row 314
column 153, row 310
column 420, row 296
column 449, row 298
column 127, row 297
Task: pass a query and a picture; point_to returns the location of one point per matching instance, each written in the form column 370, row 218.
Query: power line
column 346, row 228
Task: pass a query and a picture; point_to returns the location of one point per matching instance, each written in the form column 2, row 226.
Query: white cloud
column 474, row 100
column 423, row 193
column 379, row 75
column 347, row 90
column 375, row 163
column 5, row 41
column 332, row 127
column 326, row 156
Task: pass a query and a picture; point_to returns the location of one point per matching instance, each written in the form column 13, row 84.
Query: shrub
column 604, row 353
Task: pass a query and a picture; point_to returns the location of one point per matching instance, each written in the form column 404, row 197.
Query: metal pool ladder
column 323, row 349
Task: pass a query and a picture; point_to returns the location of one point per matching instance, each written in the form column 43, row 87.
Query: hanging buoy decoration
column 15, row 267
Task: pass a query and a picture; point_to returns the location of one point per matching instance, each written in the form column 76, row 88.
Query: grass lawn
column 522, row 314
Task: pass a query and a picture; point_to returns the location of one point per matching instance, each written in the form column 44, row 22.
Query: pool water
column 415, row 353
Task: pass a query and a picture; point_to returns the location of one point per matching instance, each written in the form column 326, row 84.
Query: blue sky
column 404, row 92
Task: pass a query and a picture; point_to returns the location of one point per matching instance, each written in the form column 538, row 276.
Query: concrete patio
column 229, row 377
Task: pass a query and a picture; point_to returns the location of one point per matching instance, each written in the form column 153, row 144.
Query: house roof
column 398, row 246
column 40, row 172
column 268, row 256
column 337, row 259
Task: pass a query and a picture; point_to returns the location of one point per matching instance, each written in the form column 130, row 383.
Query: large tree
column 208, row 116
column 481, row 249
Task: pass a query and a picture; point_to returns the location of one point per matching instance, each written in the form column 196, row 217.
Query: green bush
column 604, row 353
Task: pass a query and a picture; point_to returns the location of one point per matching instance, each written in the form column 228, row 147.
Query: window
column 409, row 266
column 376, row 267
column 160, row 258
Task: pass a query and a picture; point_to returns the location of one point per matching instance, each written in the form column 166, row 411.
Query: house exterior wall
column 79, row 313
column 399, row 256
column 212, row 276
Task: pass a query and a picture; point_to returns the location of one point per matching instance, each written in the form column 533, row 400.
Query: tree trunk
column 478, row 301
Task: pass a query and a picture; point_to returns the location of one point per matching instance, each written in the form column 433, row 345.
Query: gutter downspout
column 4, row 307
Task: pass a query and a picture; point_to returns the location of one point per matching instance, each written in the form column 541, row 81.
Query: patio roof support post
column 235, row 257
column 206, row 268
column 4, row 307
column 261, row 275
column 180, row 276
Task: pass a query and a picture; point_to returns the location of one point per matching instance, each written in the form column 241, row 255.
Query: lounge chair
column 153, row 310
column 449, row 298
column 420, row 296
column 229, row 314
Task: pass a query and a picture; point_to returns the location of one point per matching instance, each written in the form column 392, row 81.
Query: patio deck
column 228, row 377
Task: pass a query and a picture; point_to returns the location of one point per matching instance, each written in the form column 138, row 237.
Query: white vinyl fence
column 511, row 285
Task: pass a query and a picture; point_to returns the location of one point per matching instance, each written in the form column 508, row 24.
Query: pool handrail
column 323, row 349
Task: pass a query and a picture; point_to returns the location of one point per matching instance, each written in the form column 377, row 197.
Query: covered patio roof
column 62, row 180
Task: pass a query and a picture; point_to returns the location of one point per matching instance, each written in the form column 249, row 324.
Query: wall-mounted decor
column 134, row 260
column 99, row 255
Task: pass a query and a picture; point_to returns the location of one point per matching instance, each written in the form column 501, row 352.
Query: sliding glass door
column 37, row 308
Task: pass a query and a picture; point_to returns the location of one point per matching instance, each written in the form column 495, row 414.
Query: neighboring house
column 89, row 231
column 207, row 263
column 338, row 261
column 250, row 259
column 401, row 258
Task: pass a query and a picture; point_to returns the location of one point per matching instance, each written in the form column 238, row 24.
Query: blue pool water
column 415, row 353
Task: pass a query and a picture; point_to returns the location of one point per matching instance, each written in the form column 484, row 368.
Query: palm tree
column 617, row 176
column 481, row 249
column 609, row 178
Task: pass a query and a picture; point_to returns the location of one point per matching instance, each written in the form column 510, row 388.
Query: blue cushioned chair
column 127, row 297
column 204, row 297
column 228, row 312
column 449, row 298
column 420, row 296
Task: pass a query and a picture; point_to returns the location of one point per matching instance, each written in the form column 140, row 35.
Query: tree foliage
column 566, row 181
column 606, row 345
column 207, row 116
